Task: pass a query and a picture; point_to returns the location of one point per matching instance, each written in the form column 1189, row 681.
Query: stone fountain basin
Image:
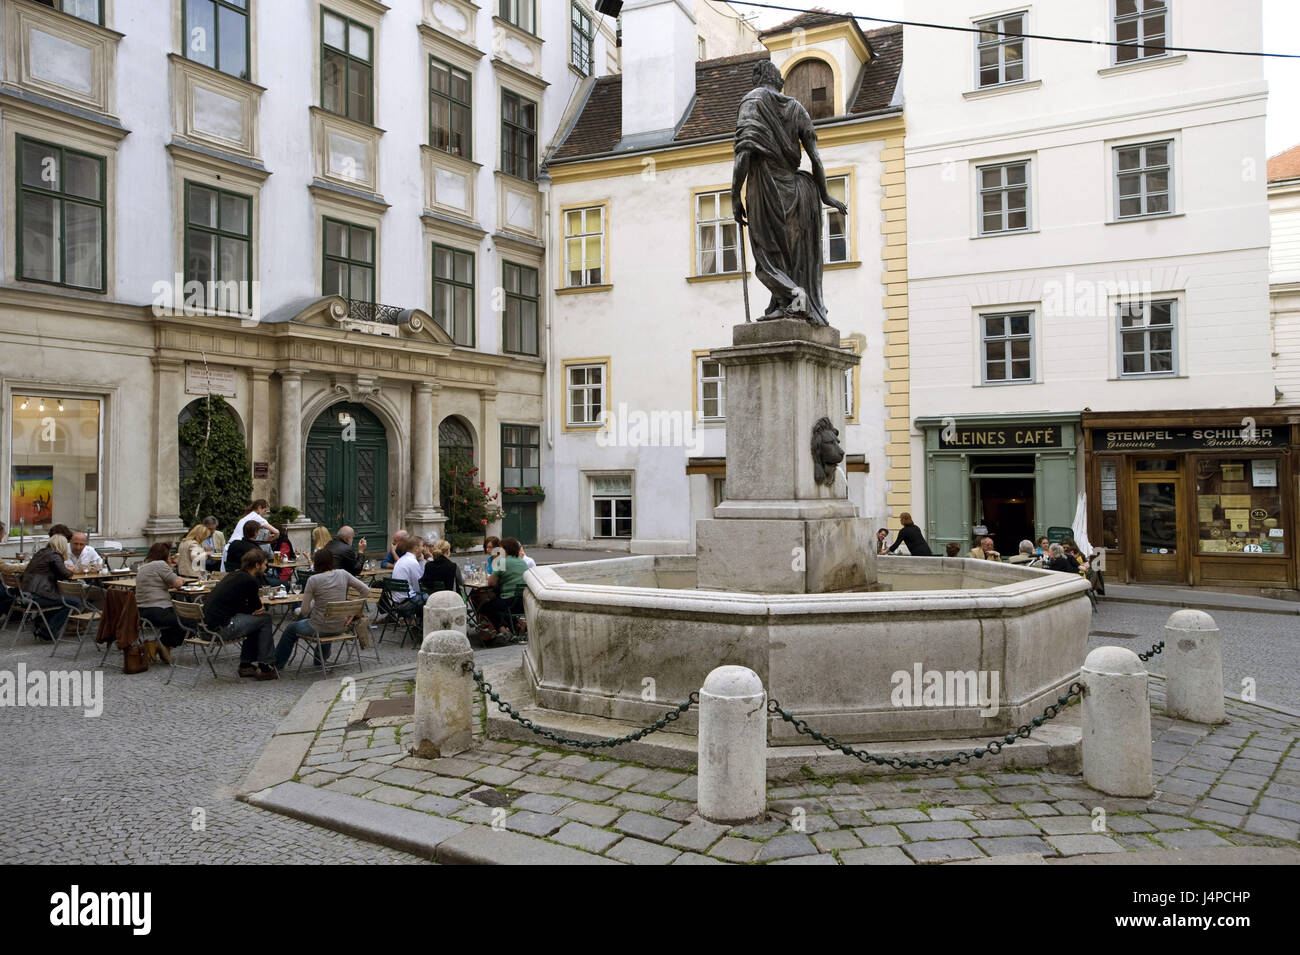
column 625, row 638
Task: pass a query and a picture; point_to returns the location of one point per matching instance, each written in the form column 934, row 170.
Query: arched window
column 813, row 84
column 455, row 444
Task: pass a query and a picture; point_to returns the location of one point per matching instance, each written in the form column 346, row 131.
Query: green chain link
column 1075, row 691
column 669, row 717
column 1157, row 648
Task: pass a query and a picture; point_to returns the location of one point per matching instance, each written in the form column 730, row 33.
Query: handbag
column 135, row 659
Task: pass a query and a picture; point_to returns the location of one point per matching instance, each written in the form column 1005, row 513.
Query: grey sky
column 1281, row 35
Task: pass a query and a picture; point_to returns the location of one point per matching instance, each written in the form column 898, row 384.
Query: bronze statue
column 785, row 203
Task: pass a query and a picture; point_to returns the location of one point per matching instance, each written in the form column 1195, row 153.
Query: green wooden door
column 520, row 522
column 347, row 471
column 947, row 502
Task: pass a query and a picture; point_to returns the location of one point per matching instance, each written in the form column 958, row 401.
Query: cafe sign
column 1187, row 439
column 1025, row 436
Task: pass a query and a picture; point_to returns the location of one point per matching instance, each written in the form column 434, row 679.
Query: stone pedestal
column 780, row 530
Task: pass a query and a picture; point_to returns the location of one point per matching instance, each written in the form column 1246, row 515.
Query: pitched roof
column 815, row 17
column 1285, row 165
column 720, row 84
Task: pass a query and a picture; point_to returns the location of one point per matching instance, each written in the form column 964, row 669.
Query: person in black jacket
column 911, row 536
column 441, row 572
column 345, row 557
column 238, row 548
column 235, row 609
column 1059, row 560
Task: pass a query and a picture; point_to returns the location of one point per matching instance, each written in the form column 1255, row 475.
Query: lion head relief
column 826, row 451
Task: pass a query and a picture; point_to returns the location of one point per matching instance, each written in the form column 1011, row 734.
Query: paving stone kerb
column 1116, row 723
column 519, row 801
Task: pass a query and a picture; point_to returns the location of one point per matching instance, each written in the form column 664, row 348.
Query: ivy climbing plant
column 221, row 483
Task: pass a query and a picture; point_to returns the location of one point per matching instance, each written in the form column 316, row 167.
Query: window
column 585, row 387
column 216, row 34
column 1004, row 198
column 1109, row 505
column 835, row 225
column 1239, row 506
column 1142, row 180
column 711, row 381
column 715, row 234
column 1146, row 338
column 218, row 247
column 1142, row 27
column 518, row 136
column 92, row 10
column 453, row 293
column 719, row 490
column 520, row 283
column 1000, row 50
column 611, row 505
column 701, row 48
column 584, row 246
column 522, row 13
column 449, row 109
column 345, row 71
column 1008, row 347
column 850, row 383
column 61, row 216
column 520, row 455
column 811, row 82
column 349, row 268
column 849, row 410
column 54, row 472
column 582, row 36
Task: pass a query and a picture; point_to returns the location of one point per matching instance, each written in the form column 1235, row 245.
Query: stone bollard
column 1116, row 723
column 445, row 610
column 1194, row 667
column 732, row 747
column 444, row 692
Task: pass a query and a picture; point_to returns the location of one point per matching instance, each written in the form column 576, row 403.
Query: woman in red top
column 285, row 550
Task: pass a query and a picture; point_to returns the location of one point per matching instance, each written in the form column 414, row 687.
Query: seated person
column 284, row 549
column 191, row 558
column 347, row 557
column 952, row 549
column 237, row 548
column 214, row 544
column 508, row 578
column 407, row 570
column 1057, row 560
column 441, row 572
column 492, row 547
column 326, row 585
column 83, row 558
column 40, row 581
column 1026, row 555
column 234, row 609
column 984, row 550
column 390, row 559
column 154, row 582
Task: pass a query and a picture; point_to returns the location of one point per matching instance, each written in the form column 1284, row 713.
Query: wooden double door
column 346, row 472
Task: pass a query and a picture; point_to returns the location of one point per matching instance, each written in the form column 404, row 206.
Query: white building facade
column 1088, row 297
column 1284, row 271
column 648, row 275
column 326, row 211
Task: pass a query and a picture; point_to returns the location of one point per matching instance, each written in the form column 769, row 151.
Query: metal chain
column 1157, row 648
column 1075, row 691
column 669, row 717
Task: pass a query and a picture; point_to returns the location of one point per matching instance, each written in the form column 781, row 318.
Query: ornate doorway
column 347, row 471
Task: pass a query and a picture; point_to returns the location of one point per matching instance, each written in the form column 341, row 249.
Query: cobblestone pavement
column 1236, row 784
column 122, row 787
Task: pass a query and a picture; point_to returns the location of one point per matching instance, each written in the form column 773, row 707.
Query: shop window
column 1239, row 507
column 611, row 505
column 1000, row 50
column 54, row 472
column 1109, row 505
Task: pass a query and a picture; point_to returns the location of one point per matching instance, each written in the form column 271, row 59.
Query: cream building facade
column 327, row 212
column 648, row 275
column 1284, row 271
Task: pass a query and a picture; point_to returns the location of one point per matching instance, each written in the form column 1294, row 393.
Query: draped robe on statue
column 783, row 204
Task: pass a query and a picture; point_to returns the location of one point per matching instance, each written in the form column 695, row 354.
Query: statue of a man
column 785, row 203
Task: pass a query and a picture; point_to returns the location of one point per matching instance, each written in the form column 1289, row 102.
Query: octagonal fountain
column 916, row 655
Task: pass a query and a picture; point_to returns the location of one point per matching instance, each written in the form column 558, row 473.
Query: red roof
column 1285, row 165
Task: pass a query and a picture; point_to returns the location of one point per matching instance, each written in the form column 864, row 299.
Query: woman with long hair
column 191, row 558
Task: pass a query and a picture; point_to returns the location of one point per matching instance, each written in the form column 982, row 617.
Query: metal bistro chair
column 34, row 610
column 206, row 644
column 347, row 614
column 80, row 620
column 301, row 574
column 18, row 603
column 392, row 593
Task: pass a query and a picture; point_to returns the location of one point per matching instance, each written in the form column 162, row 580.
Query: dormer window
column 811, row 83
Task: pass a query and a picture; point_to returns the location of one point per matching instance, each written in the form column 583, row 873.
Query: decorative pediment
column 370, row 318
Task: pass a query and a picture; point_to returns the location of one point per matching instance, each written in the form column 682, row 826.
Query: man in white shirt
column 258, row 514
column 532, row 564
column 83, row 557
column 407, row 569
